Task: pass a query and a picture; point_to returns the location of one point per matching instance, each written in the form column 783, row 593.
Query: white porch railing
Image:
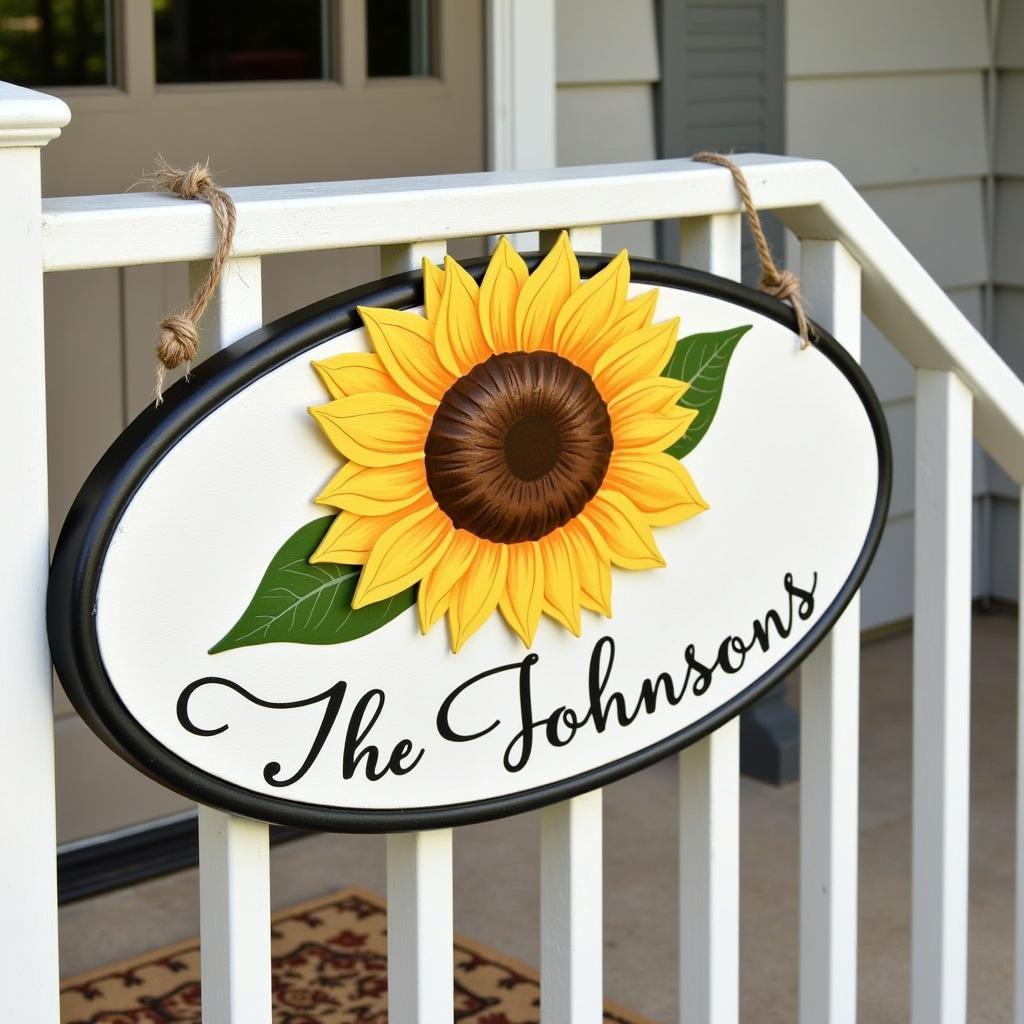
column 851, row 261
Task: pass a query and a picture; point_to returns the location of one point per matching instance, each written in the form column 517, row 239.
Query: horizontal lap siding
column 894, row 95
column 1008, row 270
column 607, row 70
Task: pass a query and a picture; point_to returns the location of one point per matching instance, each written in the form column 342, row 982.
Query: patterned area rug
column 329, row 967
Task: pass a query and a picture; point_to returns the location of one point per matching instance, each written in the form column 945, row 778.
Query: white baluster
column 942, row 644
column 234, row 853
column 394, row 259
column 571, row 911
column 709, row 778
column 572, row 925
column 420, row 931
column 420, row 903
column 234, row 918
column 829, row 733
column 28, row 865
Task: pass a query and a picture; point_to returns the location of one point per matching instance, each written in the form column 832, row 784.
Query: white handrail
column 810, row 196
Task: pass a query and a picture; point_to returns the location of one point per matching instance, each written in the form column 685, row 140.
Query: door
column 305, row 91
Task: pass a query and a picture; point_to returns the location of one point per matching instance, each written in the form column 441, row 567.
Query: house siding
column 1008, row 270
column 895, row 96
column 607, row 70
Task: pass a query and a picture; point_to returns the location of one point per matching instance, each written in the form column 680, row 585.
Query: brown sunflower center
column 518, row 446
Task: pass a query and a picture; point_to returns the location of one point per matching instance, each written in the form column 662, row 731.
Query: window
column 399, row 38
column 242, row 40
column 56, row 42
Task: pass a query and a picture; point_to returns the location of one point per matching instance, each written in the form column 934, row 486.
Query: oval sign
column 536, row 534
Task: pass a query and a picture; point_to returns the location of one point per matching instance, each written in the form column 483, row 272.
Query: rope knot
column 190, row 184
column 179, row 341
column 779, row 284
column 179, row 333
column 783, row 285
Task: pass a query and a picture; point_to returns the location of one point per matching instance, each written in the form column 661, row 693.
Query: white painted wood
column 709, row 796
column 234, row 918
column 942, row 639
column 1019, row 949
column 139, row 227
column 234, row 853
column 812, row 198
column 420, row 901
column 521, row 84
column 583, row 238
column 571, row 911
column 28, row 869
column 29, row 119
column 829, row 727
column 420, row 932
column 709, row 792
column 237, row 306
column 712, row 244
column 396, row 259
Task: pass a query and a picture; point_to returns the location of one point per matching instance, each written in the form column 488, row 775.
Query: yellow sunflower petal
column 375, row 490
column 405, row 344
column 652, row 431
column 594, row 563
column 589, row 310
column 355, row 373
column 499, row 290
column 476, row 595
column 644, row 353
column 433, row 288
column 403, row 555
column 544, row 294
column 624, row 529
column 561, row 581
column 659, row 486
column 374, row 430
column 436, row 587
column 652, row 395
column 524, row 590
column 460, row 339
column 350, row 538
column 633, row 315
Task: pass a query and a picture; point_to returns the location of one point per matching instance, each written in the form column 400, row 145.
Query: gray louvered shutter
column 722, row 88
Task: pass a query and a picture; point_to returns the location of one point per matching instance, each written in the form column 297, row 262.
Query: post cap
column 30, row 118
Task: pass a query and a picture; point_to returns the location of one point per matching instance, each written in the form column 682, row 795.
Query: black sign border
column 97, row 510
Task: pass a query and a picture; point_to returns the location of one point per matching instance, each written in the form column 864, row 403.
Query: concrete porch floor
column 497, row 885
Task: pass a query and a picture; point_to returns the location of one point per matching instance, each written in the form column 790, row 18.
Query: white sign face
column 488, row 572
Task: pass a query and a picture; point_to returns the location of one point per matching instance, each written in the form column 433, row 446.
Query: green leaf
column 300, row 603
column 701, row 360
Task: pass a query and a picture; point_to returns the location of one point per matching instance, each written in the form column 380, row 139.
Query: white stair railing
column 848, row 254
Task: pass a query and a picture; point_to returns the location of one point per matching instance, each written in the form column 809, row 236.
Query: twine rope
column 179, row 332
column 780, row 284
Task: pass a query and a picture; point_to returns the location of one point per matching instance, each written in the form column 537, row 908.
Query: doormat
column 329, row 966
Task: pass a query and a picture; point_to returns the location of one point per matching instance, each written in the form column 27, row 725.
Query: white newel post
column 28, row 872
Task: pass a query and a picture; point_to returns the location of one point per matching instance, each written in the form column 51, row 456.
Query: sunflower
column 508, row 447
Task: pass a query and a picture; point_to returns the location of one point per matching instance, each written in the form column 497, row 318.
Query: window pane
column 399, row 38
column 241, row 40
column 56, row 42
